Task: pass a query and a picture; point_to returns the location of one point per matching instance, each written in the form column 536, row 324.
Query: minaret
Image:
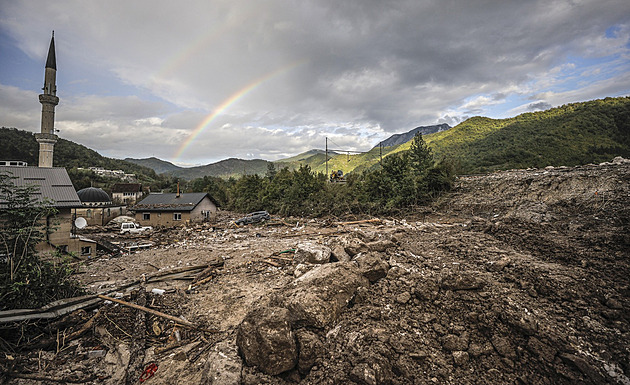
column 49, row 100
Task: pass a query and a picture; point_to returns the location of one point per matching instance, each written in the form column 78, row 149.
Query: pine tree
column 420, row 156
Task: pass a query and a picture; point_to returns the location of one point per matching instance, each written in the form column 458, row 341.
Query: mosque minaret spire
column 49, row 100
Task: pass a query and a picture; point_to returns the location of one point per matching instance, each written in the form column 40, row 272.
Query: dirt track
column 515, row 277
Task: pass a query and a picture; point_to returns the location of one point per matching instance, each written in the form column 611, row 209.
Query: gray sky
column 194, row 82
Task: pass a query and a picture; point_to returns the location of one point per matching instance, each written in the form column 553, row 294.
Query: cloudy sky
column 194, row 82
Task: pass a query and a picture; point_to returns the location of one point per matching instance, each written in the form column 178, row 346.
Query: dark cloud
column 298, row 71
column 539, row 106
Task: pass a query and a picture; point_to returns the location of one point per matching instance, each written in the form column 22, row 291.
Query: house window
column 177, row 216
column 146, row 216
column 86, row 250
column 63, row 249
column 89, row 213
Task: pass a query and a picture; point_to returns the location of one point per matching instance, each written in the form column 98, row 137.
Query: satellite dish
column 80, row 222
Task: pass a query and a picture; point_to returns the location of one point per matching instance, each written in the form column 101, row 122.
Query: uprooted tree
column 27, row 281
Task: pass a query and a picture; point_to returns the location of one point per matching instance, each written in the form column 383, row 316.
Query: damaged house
column 54, row 185
column 175, row 209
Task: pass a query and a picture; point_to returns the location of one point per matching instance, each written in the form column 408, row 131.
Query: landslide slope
column 525, row 280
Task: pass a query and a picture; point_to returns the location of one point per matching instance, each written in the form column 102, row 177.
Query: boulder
column 339, row 254
column 265, row 340
column 318, row 297
column 460, row 358
column 372, row 266
column 355, row 246
column 380, row 246
column 312, row 253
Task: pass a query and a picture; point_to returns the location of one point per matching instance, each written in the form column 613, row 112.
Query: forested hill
column 21, row 145
column 573, row 134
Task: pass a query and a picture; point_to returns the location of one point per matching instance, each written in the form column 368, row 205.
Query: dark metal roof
column 51, row 61
column 127, row 187
column 53, row 182
column 93, row 195
column 170, row 202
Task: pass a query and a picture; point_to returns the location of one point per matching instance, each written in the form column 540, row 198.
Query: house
column 175, row 209
column 96, row 206
column 54, row 184
column 127, row 193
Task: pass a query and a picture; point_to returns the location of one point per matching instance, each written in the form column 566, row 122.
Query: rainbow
column 228, row 102
column 203, row 41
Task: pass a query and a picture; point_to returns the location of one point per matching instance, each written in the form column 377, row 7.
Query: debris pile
column 516, row 277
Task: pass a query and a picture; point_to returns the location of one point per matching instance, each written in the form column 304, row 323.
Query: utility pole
column 326, row 157
column 380, row 151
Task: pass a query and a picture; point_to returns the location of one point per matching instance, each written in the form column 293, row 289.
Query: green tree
column 420, row 156
column 25, row 280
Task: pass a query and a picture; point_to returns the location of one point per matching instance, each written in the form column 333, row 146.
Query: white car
column 130, row 227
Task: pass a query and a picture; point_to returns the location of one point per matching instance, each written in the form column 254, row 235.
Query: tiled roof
column 53, row 182
column 171, row 202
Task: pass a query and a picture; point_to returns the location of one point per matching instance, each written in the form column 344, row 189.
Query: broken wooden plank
column 67, row 305
column 272, row 263
column 375, row 220
column 52, row 310
column 180, row 321
column 83, row 328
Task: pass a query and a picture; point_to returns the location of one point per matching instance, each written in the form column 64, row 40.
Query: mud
column 518, row 277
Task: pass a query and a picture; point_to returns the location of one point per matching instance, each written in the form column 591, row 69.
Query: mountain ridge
column 398, row 139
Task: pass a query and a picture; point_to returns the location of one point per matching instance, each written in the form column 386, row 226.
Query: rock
column 265, row 340
column 427, row 290
column 477, row 350
column 310, row 348
column 363, row 374
column 460, row 358
column 223, row 366
column 499, row 265
column 355, row 246
column 312, row 253
column 318, row 297
column 585, row 367
column 339, row 253
column 301, row 269
column 453, row 343
column 376, row 371
column 372, row 266
column 403, row 297
column 380, row 246
column 461, row 281
column 503, row 346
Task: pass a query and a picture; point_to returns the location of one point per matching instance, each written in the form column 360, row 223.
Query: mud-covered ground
column 517, row 277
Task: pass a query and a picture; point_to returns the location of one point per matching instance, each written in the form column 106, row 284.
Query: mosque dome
column 93, row 196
